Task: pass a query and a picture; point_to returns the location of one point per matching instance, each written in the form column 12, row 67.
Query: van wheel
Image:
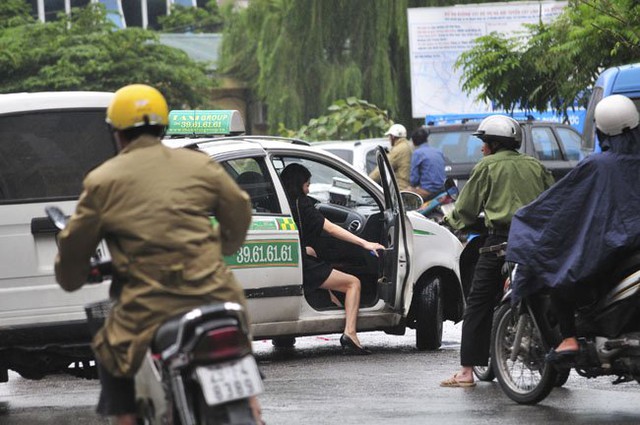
column 429, row 315
column 283, row 342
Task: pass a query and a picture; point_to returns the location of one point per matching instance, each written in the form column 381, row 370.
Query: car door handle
column 43, row 226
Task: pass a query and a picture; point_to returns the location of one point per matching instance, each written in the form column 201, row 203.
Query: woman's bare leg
column 350, row 285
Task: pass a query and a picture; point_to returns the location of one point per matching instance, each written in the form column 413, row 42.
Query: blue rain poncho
column 581, row 225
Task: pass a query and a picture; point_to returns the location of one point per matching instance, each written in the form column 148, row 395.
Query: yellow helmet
column 136, row 105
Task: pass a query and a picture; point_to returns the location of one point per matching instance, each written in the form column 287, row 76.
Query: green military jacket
column 400, row 160
column 152, row 204
column 499, row 184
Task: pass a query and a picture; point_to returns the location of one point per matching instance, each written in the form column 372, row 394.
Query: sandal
column 453, row 382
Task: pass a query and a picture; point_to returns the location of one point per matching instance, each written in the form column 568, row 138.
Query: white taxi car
column 414, row 284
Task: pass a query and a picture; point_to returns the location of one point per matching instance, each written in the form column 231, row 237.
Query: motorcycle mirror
column 412, row 201
column 56, row 216
column 451, row 188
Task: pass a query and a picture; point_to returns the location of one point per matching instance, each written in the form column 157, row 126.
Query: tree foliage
column 347, row 119
column 14, row 13
column 207, row 19
column 85, row 52
column 560, row 61
column 298, row 57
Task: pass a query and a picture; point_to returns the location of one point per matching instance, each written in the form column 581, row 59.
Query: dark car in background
column 556, row 145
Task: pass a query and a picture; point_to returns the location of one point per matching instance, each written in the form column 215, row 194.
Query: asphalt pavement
column 313, row 383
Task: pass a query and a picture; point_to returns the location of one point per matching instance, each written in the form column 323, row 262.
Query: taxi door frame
column 395, row 262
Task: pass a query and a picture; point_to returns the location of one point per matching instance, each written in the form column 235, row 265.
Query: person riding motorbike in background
column 151, row 204
column 427, row 167
column 500, row 183
column 576, row 231
column 399, row 156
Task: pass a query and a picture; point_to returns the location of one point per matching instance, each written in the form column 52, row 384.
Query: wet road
column 314, row 384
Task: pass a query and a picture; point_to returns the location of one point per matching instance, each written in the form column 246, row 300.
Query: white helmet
column 396, row 130
column 500, row 128
column 614, row 114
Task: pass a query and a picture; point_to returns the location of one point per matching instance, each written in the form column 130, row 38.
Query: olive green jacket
column 400, row 160
column 152, row 204
column 499, row 184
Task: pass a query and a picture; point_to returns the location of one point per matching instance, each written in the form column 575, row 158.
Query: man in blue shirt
column 427, row 167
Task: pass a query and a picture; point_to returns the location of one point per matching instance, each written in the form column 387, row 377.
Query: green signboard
column 204, row 123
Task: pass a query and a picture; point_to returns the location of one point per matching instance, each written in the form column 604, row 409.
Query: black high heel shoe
column 347, row 344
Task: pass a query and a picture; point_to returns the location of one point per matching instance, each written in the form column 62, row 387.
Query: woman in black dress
column 317, row 273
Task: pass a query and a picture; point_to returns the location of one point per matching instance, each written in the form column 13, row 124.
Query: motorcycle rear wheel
column 528, row 379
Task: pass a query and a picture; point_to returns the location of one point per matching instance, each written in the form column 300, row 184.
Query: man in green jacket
column 501, row 183
column 399, row 156
column 151, row 204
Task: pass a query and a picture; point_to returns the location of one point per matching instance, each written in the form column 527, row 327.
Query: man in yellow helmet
column 151, row 204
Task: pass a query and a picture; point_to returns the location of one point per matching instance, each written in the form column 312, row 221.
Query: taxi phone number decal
column 265, row 253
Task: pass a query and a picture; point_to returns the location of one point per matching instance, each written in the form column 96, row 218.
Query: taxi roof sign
column 205, row 123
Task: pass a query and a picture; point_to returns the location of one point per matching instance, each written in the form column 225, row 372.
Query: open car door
column 395, row 260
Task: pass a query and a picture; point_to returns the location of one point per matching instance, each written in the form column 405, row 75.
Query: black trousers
column 563, row 306
column 486, row 289
column 117, row 395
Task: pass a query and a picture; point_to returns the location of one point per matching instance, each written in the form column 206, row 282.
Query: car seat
column 256, row 186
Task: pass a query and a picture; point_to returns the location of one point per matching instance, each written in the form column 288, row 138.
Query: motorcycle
column 199, row 368
column 607, row 329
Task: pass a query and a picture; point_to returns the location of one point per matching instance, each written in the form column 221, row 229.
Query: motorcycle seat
column 166, row 334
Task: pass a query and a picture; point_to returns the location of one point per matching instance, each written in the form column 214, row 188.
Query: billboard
column 438, row 35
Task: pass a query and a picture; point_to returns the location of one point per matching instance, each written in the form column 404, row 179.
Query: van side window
column 571, row 141
column 252, row 175
column 44, row 155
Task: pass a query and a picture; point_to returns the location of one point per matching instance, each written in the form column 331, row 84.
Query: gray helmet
column 614, row 114
column 502, row 129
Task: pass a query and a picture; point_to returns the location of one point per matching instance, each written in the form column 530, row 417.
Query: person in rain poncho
column 576, row 230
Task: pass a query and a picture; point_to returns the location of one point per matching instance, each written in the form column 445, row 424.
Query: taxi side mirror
column 412, row 201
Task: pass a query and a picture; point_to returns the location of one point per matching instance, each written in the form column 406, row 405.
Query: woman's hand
column 373, row 247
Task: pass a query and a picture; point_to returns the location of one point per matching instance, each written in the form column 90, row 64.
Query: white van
column 48, row 142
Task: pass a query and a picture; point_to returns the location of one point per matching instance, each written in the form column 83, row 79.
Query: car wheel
column 429, row 315
column 283, row 342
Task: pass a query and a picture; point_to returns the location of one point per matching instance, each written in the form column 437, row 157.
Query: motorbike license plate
column 230, row 380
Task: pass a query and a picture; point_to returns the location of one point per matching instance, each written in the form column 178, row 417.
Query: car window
column 458, row 147
column 345, row 154
column 545, row 145
column 252, row 175
column 45, row 155
column 571, row 141
column 330, row 185
column 370, row 161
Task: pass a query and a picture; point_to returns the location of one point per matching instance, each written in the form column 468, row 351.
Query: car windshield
column 458, row 147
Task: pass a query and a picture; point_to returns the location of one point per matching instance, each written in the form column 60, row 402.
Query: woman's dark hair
column 420, row 135
column 293, row 177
